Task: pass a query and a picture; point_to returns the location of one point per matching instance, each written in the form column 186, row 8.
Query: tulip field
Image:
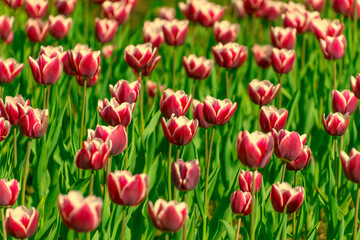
column 181, row 119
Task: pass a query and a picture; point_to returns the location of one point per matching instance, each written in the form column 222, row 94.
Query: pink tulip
column 36, row 8
column 65, row 7
column 301, row 162
column 271, row 117
column 179, row 130
column 14, row 3
column 297, row 20
column 315, row 5
column 52, row 52
column 36, row 29
column 10, row 39
column 270, row 10
column 185, row 175
column 6, row 27
column 262, row 92
column 288, row 145
column 148, row 70
column 118, row 11
column 46, row 70
column 336, row 123
column 78, row 213
column 151, row 88
column 107, row 50
column 238, row 7
column 124, row 91
column 140, row 56
column 283, row 37
column 59, row 26
column 93, row 155
column 343, row 7
column 209, row 13
column 116, row 135
column 90, row 82
column 246, row 178
column 283, row 60
column 33, row 122
column 9, row 192
column 4, row 129
column 84, row 61
column 311, row 17
column 355, row 85
column 292, row 6
column 167, row 13
column 168, row 216
column 254, row 150
column 114, row 113
column 262, row 55
column 218, row 112
column 191, row 8
column 175, row 31
column 198, row 114
column 241, row 203
column 344, row 101
column 132, row 3
column 67, row 67
column 226, row 32
column 253, row 5
column 105, row 29
column 351, row 165
column 9, row 70
column 177, row 103
column 10, row 110
column 230, row 55
column 284, row 196
column 152, row 32
column 324, row 27
column 126, row 189
column 20, row 222
column 198, row 68
column 333, row 47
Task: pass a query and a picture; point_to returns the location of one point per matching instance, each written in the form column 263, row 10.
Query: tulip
column 10, row 110
column 185, row 175
column 209, row 13
column 225, row 32
column 65, row 7
column 245, row 181
column 116, row 135
column 126, row 189
column 132, row 3
column 177, row 103
column 284, row 196
column 9, row 192
column 301, row 162
column 124, row 91
column 230, row 55
column 36, row 8
column 93, row 155
column 311, row 17
column 336, row 123
column 36, row 29
column 238, row 7
column 114, row 113
column 14, row 3
column 270, row 10
column 333, row 47
column 105, row 29
column 198, row 114
column 198, row 68
column 118, row 11
column 6, row 27
column 179, row 130
column 297, row 20
column 288, row 145
column 78, row 213
column 20, row 222
column 67, row 65
column 253, row 5
column 218, row 112
column 350, row 165
column 175, row 31
column 167, row 13
column 343, row 7
column 90, row 82
column 4, row 130
column 168, row 216
column 315, row 5
column 152, row 32
column 344, row 101
column 262, row 92
column 9, row 70
column 140, row 56
column 191, row 8
column 59, row 26
column 33, row 122
column 292, row 6
column 151, row 88
column 271, row 117
column 355, row 85
column 10, row 39
column 52, row 52
column 107, row 51
column 148, row 70
column 46, row 70
column 283, row 37
column 241, row 203
column 283, row 60
column 262, row 55
column 84, row 61
column 324, row 27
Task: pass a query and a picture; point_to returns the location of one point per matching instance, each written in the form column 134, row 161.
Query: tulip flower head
column 245, row 181
column 241, row 203
column 315, row 5
column 148, row 70
column 271, row 117
column 14, row 3
column 36, row 29
column 108, row 50
column 36, row 8
column 9, row 70
column 59, row 26
column 140, row 56
column 238, row 7
column 198, row 114
column 33, row 122
column 336, row 124
column 198, row 68
column 151, row 88
column 283, row 60
column 105, row 29
column 9, row 192
column 6, row 27
column 124, row 91
column 4, row 130
column 270, row 10
column 333, row 47
column 10, row 109
column 191, row 8
column 344, row 101
column 152, row 32
column 209, row 13
column 283, row 196
column 230, row 55
column 350, row 165
column 167, row 13
column 94, row 154
column 301, row 162
column 283, row 37
column 52, row 52
column 343, row 7
column 84, row 61
column 288, row 145
column 297, row 20
column 218, row 112
column 253, row 5
column 114, row 113
column 65, row 7
column 262, row 55
column 185, row 175
column 355, row 85
column 179, row 130
column 20, row 222
column 262, row 92
column 177, row 103
column 118, row 11
column 226, row 32
column 90, row 82
column 46, row 70
column 175, row 31
column 324, row 27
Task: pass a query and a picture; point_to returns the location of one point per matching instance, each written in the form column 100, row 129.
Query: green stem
column 252, row 220
column 355, row 25
column 356, row 213
column 206, row 145
column 44, row 96
column 335, row 163
column 334, row 79
column 91, row 188
column 1, row 89
column 83, row 114
column 227, row 83
column 283, row 172
column 174, row 69
column 23, row 187
column 303, row 51
column 280, row 93
column 294, row 214
column 284, row 226
column 169, row 171
column 48, row 96
column 3, row 223
column 141, row 92
column 253, row 22
column 86, row 20
column 15, row 148
column 184, row 228
column 127, row 151
column 108, row 170
column 238, row 229
column 339, row 164
column 123, row 225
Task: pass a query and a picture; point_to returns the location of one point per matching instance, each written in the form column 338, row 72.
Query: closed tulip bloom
column 33, row 122
column 292, row 6
column 94, row 154
column 90, row 82
column 46, row 70
column 198, row 114
column 238, row 7
column 151, row 88
column 271, row 117
column 9, row 192
column 168, row 216
column 14, row 3
column 301, row 162
column 262, row 55
column 209, row 13
column 20, row 222
column 36, row 29
column 333, row 47
column 118, row 11
column 284, row 196
column 6, row 27
column 52, row 52
column 218, row 112
column 10, row 110
column 324, row 27
column 84, row 61
column 105, row 29
column 191, row 8
column 114, row 113
column 344, row 101
column 175, row 31
column 148, row 70
column 124, row 91
column 252, row 5
column 140, row 56
column 4, row 129
column 283, row 60
column 254, row 150
column 167, row 13
column 185, row 175
column 262, row 92
column 283, row 37
column 230, row 55
column 343, row 7
column 59, row 26
column 36, row 8
column 107, row 50
column 65, row 7
column 315, row 5
column 336, row 123
column 288, row 145
column 245, row 181
column 177, row 103
column 9, row 70
column 179, row 130
column 68, row 69
column 225, row 32
column 296, row 20
column 355, row 85
column 152, row 32
column 116, row 135
column 240, row 203
column 350, row 165
column 78, row 213
column 270, row 10
column 198, row 68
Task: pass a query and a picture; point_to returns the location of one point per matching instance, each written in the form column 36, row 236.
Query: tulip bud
column 59, row 26
column 283, row 37
column 350, row 165
column 179, row 130
column 271, row 117
column 93, row 155
column 262, row 92
column 114, row 113
column 36, row 8
column 262, row 55
column 198, row 68
column 124, row 91
column 118, row 11
column 226, row 32
column 105, row 29
column 245, row 181
column 167, row 13
column 9, row 70
column 253, row 5
column 230, row 55
column 20, row 222
column 315, row 5
column 336, row 123
column 84, row 61
column 333, row 47
column 238, row 7
column 140, row 56
column 355, row 85
column 177, row 103
column 152, row 32
column 344, row 101
column 65, row 7
column 167, row 216
column 33, row 122
column 191, row 8
column 209, row 13
column 175, row 31
column 73, row 207
column 148, row 70
column 126, row 189
column 301, row 162
column 254, row 150
column 288, row 145
column 241, row 203
column 36, row 29
column 107, row 51
column 90, row 82
column 185, row 175
column 6, row 27
column 283, row 60
column 297, row 20
column 343, row 7
column 270, row 10
column 151, row 88
column 10, row 110
column 9, row 192
column 67, row 65
column 52, row 52
column 218, row 112
column 198, row 114
column 14, row 3
column 324, row 27
column 4, row 130
column 46, row 70
column 284, row 196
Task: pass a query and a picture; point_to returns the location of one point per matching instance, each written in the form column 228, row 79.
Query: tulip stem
column 83, row 114
column 303, row 51
column 283, row 172
column 123, row 225
column 335, row 163
column 108, row 170
column 206, row 183
column 23, row 187
column 91, row 188
column 227, row 83
column 355, row 24
column 174, row 68
column 1, row 89
column 238, row 229
column 339, row 164
column 253, row 21
column 206, row 145
column 284, row 225
column 252, row 220
column 184, row 228
column 15, row 148
column 294, row 214
column 48, row 96
column 356, row 213
column 280, row 93
column 169, row 171
column 141, row 92
column 127, row 151
column 44, row 96
column 334, row 79
column 3, row 223
column 86, row 21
